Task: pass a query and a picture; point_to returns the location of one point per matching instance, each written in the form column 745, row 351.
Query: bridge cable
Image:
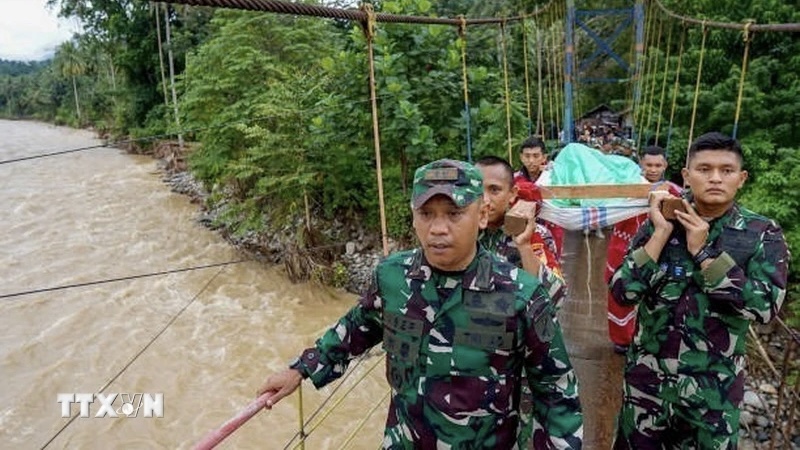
column 506, row 90
column 664, row 84
column 527, row 78
column 139, row 353
column 676, row 86
column 696, row 91
column 747, row 38
column 126, row 278
column 462, row 35
column 653, row 78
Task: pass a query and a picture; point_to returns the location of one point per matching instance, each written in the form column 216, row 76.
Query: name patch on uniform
column 443, row 174
column 402, row 324
column 501, row 303
column 484, row 340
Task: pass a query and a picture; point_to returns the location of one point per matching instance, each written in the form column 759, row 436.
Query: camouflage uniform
column 456, row 346
column 684, row 375
column 503, row 245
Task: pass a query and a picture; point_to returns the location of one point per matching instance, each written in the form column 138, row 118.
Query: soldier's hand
column 696, row 228
column 658, row 220
column 280, row 385
column 524, row 238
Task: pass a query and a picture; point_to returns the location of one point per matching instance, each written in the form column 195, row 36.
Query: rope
column 369, row 31
column 304, row 9
column 462, row 33
column 540, row 84
column 746, row 37
column 339, row 401
column 696, row 91
column 113, row 280
column 506, row 89
column 664, row 85
column 675, row 87
column 643, row 66
column 527, row 77
column 328, row 398
column 302, row 431
column 136, row 356
column 364, row 420
column 550, row 83
column 654, row 59
column 781, row 27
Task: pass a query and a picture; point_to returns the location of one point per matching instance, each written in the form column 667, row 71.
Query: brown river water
column 102, row 214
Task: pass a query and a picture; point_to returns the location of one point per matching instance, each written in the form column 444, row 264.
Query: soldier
column 699, row 282
column 532, row 250
column 459, row 326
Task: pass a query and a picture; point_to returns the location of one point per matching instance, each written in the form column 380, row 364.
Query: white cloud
column 29, row 31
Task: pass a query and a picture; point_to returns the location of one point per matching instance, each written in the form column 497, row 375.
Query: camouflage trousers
column 648, row 422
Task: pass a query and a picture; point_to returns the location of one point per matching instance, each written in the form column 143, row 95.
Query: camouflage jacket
column 456, row 346
column 692, row 322
column 495, row 240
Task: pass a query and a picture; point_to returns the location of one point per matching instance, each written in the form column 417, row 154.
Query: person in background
column 459, row 326
column 699, row 281
column 622, row 317
column 533, row 156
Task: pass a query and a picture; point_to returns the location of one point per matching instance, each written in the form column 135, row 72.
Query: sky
column 29, row 31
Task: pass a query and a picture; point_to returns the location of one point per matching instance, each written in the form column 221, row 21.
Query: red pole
column 213, row 438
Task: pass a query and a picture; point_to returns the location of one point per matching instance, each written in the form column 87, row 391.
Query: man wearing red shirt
column 622, row 319
column 532, row 154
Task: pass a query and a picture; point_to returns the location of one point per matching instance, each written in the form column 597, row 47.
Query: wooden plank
column 597, row 191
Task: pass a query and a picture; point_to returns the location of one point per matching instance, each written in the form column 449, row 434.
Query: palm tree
column 71, row 64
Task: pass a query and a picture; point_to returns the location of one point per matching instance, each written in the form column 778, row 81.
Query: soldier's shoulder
column 399, row 259
column 754, row 220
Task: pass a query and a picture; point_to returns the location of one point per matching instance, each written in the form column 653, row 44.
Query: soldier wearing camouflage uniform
column 459, row 326
column 699, row 282
column 532, row 250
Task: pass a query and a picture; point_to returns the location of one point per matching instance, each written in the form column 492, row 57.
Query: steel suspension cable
column 527, row 77
column 539, row 84
column 369, row 31
column 779, row 27
column 664, row 84
column 364, row 420
column 355, row 15
column 462, row 41
column 561, row 64
column 114, row 280
column 550, row 83
column 676, row 86
column 507, row 94
column 642, row 73
column 696, row 91
column 653, row 77
column 139, row 353
column 747, row 39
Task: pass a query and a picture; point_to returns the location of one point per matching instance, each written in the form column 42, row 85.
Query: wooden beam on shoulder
column 596, row 191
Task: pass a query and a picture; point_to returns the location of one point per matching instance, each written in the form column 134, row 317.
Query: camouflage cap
column 460, row 181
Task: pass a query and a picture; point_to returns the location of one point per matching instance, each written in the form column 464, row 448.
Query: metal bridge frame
column 574, row 20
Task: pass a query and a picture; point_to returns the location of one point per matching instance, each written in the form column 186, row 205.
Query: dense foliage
column 280, row 105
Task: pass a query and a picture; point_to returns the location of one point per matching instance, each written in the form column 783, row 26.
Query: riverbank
column 334, row 253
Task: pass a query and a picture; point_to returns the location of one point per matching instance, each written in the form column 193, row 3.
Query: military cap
column 458, row 180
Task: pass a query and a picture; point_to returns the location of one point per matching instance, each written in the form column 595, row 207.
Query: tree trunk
column 77, row 105
column 172, row 77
